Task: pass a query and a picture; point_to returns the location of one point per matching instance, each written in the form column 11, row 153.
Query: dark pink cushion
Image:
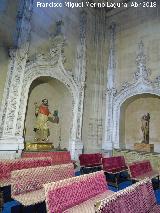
column 114, row 164
column 57, row 157
column 71, row 192
column 7, row 166
column 90, row 159
column 138, row 198
column 140, row 168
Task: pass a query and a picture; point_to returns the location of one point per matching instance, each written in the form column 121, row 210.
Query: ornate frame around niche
column 24, row 69
column 51, row 65
column 141, row 84
column 140, row 87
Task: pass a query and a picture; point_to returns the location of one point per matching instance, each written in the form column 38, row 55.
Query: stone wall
column 4, row 60
column 134, row 25
column 94, row 104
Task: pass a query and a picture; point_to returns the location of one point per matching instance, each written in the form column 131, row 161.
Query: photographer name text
column 145, row 4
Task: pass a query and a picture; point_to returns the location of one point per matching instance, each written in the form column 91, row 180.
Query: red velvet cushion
column 140, row 168
column 90, row 159
column 114, row 164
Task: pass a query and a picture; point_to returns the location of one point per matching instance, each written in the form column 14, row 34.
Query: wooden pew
column 57, row 157
column 77, row 194
column 137, row 198
column 142, row 169
column 90, row 162
column 27, row 184
column 113, row 168
column 7, row 166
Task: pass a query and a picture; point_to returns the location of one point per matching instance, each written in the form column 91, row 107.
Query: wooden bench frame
column 114, row 165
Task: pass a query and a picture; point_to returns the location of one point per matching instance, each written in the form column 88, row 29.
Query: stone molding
column 140, row 84
column 23, row 71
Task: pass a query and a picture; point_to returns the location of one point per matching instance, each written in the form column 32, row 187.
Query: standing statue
column 145, row 128
column 43, row 114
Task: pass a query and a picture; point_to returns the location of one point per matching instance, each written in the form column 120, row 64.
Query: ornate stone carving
column 80, row 75
column 141, row 84
column 111, row 91
column 51, row 64
column 16, row 72
column 23, row 71
column 142, row 72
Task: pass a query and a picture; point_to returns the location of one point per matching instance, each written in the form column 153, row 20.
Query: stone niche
column 128, row 104
column 60, row 99
column 130, row 123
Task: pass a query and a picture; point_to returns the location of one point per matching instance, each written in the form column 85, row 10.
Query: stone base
column 29, row 146
column 144, row 147
column 11, row 147
column 75, row 148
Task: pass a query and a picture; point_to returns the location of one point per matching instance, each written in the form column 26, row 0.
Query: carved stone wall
column 141, row 84
column 11, row 99
column 23, row 71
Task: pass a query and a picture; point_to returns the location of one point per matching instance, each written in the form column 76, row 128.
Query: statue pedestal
column 38, row 146
column 144, row 147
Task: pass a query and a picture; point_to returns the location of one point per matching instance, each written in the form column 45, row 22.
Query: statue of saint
column 43, row 114
column 145, row 128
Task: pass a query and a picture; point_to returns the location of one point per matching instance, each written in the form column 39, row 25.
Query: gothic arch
column 137, row 88
column 51, row 65
column 140, row 84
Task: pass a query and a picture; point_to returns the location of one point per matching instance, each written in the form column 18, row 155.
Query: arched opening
column 131, row 112
column 59, row 98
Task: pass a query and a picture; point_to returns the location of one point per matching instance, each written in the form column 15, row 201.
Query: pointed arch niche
column 59, row 99
column 131, row 112
column 130, row 104
column 49, row 67
column 127, row 105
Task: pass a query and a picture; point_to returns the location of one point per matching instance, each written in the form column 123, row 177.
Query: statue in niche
column 43, row 115
column 145, row 128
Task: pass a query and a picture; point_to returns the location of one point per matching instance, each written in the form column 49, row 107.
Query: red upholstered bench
column 27, row 184
column 114, row 164
column 138, row 198
column 142, row 169
column 7, row 166
column 90, row 162
column 77, row 194
column 57, row 157
column 113, row 168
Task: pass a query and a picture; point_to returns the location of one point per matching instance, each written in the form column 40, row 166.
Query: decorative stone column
column 9, row 140
column 80, row 78
column 110, row 92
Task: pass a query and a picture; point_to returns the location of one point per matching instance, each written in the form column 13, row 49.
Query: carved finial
column 142, row 72
column 112, row 58
column 59, row 24
column 141, row 57
column 83, row 24
column 112, row 29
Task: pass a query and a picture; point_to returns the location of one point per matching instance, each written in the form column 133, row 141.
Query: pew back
column 114, row 164
column 134, row 199
column 7, row 166
column 57, row 157
column 73, row 191
column 90, row 159
column 27, row 180
column 140, row 168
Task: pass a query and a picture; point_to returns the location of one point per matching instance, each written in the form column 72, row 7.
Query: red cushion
column 90, row 159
